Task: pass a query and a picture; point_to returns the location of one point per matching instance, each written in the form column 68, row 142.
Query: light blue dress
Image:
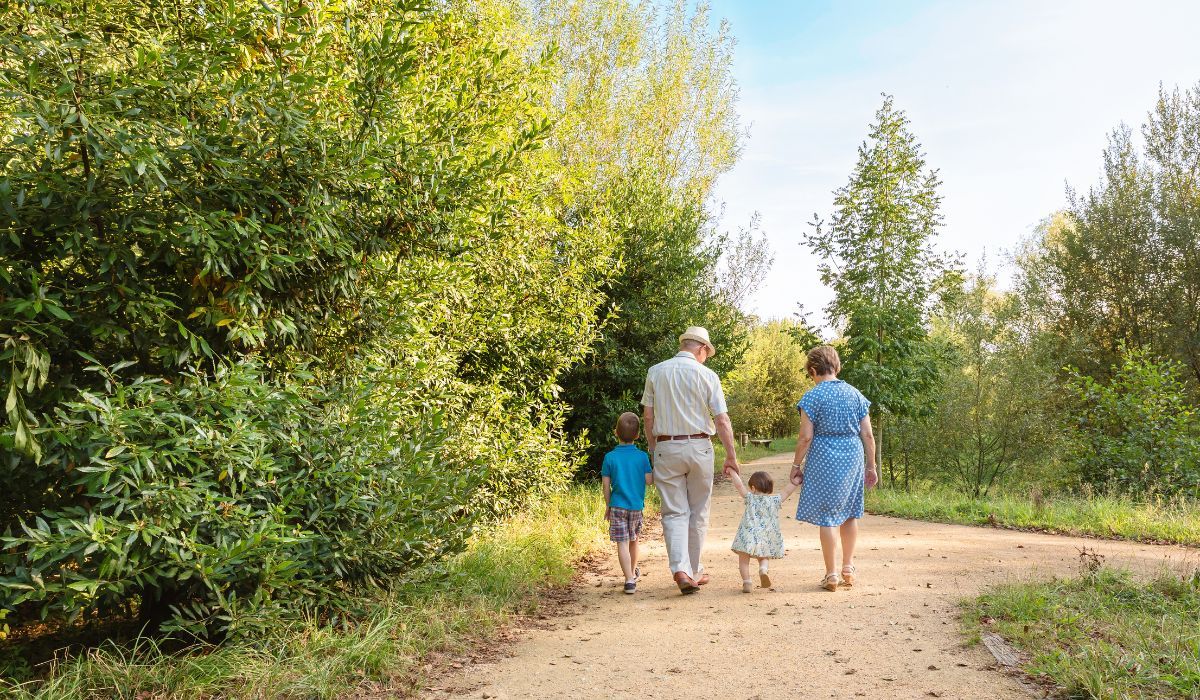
column 758, row 534
column 833, row 469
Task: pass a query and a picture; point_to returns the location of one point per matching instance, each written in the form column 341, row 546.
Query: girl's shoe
column 830, row 582
column 764, row 579
column 747, row 586
column 630, row 587
column 848, row 576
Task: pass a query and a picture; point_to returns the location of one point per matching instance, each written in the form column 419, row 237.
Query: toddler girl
column 758, row 534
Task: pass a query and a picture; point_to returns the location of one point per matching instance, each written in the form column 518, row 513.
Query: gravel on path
column 895, row 635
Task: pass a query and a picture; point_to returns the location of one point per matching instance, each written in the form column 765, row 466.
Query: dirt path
column 895, row 635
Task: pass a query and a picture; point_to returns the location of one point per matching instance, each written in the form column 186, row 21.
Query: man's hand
column 872, row 477
column 731, row 465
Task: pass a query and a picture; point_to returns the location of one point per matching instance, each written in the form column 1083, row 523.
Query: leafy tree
column 878, row 258
column 644, row 121
column 667, row 282
column 1120, row 267
column 990, row 415
column 1138, row 433
column 763, row 390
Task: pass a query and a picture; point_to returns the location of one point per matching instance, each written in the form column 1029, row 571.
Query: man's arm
column 648, row 419
column 725, row 432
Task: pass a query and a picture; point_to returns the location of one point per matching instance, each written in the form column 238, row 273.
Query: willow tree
column 878, row 257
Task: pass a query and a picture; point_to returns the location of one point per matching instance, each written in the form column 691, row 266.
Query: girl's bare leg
column 744, row 565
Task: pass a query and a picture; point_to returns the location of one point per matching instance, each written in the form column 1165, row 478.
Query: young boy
column 626, row 474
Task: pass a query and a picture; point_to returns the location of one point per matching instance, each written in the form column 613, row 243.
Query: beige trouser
column 683, row 473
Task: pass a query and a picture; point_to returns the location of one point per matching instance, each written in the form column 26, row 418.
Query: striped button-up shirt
column 685, row 395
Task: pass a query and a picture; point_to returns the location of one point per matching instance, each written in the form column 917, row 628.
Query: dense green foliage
column 289, row 290
column 645, row 106
column 447, row 608
column 1080, row 376
column 1105, row 635
column 1138, row 433
column 1122, row 267
column 878, row 257
column 763, row 391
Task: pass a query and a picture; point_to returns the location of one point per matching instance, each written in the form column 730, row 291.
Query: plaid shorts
column 624, row 525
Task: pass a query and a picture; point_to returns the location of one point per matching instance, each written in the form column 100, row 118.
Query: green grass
column 500, row 575
column 1175, row 521
column 1103, row 635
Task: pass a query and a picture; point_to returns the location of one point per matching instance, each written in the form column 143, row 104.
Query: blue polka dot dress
column 833, row 469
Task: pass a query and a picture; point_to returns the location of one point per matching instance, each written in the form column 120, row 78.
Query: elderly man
column 685, row 407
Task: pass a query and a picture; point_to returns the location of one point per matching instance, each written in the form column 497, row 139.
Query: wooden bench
column 762, row 442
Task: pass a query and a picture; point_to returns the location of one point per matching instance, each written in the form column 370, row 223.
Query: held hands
column 731, row 465
column 872, row 477
column 797, row 475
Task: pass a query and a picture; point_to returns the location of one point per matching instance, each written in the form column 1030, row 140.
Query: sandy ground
column 895, row 635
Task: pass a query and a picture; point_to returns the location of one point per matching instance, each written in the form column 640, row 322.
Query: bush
column 285, row 303
column 233, row 497
column 1138, row 434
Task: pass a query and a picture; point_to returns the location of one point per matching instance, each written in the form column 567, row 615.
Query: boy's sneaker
column 630, row 587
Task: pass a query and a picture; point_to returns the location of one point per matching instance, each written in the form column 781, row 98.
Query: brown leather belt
column 697, row 436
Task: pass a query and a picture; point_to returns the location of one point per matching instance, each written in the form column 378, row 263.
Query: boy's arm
column 649, row 471
column 736, row 478
column 789, row 490
column 606, row 488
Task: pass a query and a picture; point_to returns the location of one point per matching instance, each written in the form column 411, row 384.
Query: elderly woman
column 835, row 457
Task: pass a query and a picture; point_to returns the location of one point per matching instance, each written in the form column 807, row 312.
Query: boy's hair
column 628, row 427
column 762, row 482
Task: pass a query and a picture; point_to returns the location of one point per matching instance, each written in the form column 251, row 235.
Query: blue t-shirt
column 627, row 466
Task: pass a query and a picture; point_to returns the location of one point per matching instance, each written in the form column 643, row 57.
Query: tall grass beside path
column 1105, row 635
column 447, row 610
column 1163, row 520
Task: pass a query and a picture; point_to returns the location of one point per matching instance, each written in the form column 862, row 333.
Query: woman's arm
column 868, row 440
column 803, row 442
column 736, row 478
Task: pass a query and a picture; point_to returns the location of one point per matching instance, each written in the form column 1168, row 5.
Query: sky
column 1012, row 100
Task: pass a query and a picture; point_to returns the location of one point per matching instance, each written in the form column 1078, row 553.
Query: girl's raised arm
column 788, row 490
column 737, row 483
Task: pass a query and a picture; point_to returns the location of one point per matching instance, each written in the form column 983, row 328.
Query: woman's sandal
column 830, row 582
column 848, row 576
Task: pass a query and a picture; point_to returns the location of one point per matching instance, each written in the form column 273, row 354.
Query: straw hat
column 700, row 335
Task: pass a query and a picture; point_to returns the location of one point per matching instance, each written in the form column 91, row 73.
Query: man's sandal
column 848, row 576
column 830, row 582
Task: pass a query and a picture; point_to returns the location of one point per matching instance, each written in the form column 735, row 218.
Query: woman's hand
column 797, row 475
column 872, row 477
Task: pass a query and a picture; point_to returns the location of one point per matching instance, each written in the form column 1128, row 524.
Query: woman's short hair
column 762, row 482
column 824, row 360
